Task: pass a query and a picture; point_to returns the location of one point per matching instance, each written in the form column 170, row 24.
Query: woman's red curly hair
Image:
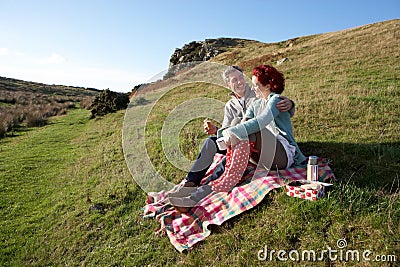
column 267, row 74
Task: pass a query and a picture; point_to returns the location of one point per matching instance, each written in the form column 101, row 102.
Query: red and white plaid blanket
column 185, row 230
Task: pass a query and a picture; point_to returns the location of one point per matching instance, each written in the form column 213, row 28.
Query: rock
column 291, row 42
column 199, row 51
column 99, row 207
column 280, row 61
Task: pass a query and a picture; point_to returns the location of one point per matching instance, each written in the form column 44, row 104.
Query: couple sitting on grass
column 256, row 128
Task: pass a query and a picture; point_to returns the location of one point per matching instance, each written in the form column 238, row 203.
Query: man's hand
column 209, row 127
column 285, row 104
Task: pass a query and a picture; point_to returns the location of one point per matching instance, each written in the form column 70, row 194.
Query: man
column 235, row 109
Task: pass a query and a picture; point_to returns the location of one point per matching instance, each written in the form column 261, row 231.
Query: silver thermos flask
column 312, row 169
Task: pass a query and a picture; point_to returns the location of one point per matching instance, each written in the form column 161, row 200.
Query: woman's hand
column 229, row 138
column 285, row 104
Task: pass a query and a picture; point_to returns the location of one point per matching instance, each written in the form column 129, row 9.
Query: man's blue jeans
column 204, row 161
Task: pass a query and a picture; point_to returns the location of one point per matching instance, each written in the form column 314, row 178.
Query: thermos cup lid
column 313, row 160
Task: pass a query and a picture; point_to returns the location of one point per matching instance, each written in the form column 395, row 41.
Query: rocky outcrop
column 198, row 51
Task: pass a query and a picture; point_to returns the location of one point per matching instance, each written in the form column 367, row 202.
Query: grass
column 30, row 104
column 68, row 197
column 363, row 207
column 69, row 200
column 189, row 133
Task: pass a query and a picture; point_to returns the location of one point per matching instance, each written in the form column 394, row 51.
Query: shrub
column 35, row 119
column 2, row 126
column 9, row 119
column 69, row 105
column 2, row 131
column 86, row 103
column 9, row 122
column 108, row 102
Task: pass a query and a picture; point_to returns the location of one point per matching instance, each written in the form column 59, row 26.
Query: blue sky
column 120, row 43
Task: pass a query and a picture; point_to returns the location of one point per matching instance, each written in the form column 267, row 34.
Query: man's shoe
column 182, row 192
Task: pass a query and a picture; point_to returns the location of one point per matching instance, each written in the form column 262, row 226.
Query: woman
column 273, row 130
column 263, row 115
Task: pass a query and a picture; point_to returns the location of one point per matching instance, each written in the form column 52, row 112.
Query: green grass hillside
column 29, row 104
column 68, row 197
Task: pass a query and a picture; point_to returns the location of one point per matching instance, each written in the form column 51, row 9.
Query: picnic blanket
column 185, row 230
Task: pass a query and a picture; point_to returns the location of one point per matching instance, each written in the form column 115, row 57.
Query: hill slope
column 345, row 85
column 30, row 104
column 15, row 85
column 68, row 197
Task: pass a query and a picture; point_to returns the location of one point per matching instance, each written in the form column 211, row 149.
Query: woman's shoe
column 186, row 202
column 182, row 204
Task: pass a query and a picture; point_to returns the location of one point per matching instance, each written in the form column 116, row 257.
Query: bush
column 108, row 102
column 69, row 105
column 9, row 122
column 86, row 103
column 2, row 126
column 9, row 119
column 2, row 131
column 35, row 119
